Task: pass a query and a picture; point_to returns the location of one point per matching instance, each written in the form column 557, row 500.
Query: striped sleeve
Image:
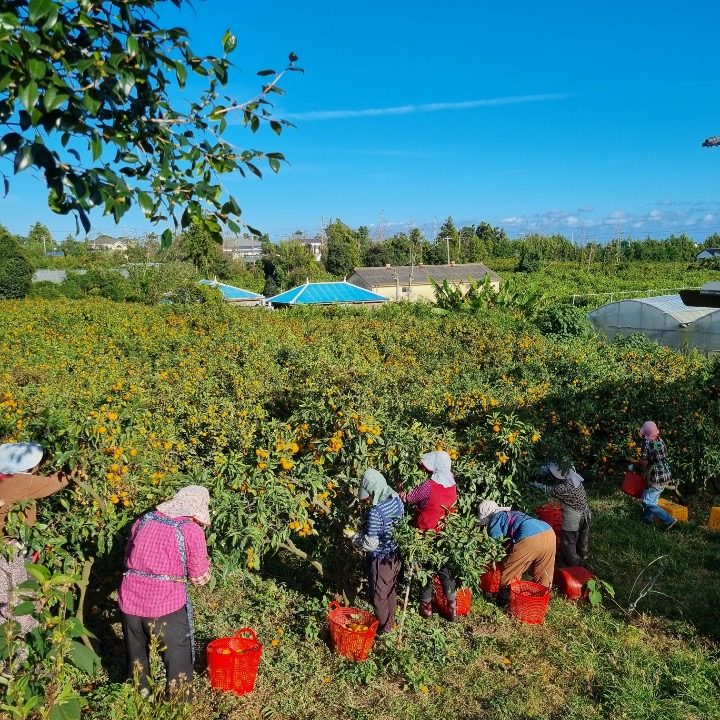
column 375, row 522
column 419, row 495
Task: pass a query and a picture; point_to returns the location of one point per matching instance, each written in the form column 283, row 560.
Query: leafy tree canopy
column 91, row 94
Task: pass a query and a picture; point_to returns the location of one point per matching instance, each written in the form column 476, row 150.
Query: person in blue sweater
column 530, row 544
column 384, row 561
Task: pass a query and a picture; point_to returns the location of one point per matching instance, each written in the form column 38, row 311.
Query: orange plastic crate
column 679, row 512
column 714, row 519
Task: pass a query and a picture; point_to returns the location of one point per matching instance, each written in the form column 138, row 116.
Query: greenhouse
column 665, row 319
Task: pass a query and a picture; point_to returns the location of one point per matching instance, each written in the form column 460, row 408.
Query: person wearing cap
column 166, row 551
column 530, row 545
column 434, row 499
column 653, row 457
column 570, row 491
column 384, row 561
column 19, row 483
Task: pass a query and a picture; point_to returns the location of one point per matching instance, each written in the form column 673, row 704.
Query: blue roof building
column 234, row 294
column 327, row 293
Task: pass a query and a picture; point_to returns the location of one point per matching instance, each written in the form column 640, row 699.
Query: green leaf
column 274, row 164
column 28, row 95
column 146, row 203
column 229, row 42
column 96, row 147
column 63, row 579
column 84, row 658
column 264, row 73
column 23, row 158
column 37, row 68
column 39, row 572
column 166, row 239
column 24, row 608
column 53, row 99
column 69, row 709
column 38, row 9
column 91, row 103
column 133, row 46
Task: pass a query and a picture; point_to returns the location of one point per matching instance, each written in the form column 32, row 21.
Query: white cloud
column 424, row 107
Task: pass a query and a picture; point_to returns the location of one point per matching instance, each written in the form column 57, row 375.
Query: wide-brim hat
column 19, row 457
column 558, row 474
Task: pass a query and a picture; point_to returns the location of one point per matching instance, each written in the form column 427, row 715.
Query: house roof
column 376, row 276
column 712, row 251
column 230, row 292
column 325, row 293
column 671, row 305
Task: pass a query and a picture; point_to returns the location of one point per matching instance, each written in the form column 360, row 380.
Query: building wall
column 413, row 293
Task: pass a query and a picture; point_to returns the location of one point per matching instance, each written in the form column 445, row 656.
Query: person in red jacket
column 434, row 499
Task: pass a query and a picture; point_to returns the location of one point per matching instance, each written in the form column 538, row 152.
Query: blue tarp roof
column 326, row 293
column 230, row 292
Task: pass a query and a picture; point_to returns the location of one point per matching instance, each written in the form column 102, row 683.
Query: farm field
column 595, row 285
column 278, row 413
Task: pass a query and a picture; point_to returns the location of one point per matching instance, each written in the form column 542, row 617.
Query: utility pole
column 618, row 238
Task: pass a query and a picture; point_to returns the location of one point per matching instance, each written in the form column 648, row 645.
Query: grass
column 659, row 664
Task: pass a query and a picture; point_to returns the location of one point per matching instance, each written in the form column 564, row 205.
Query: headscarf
column 19, row 457
column 191, row 501
column 650, row 430
column 574, row 477
column 438, row 464
column 374, row 485
column 487, row 509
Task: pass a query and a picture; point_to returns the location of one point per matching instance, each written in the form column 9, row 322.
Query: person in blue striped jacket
column 384, row 561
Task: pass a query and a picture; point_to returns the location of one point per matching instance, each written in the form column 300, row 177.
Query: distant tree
column 449, row 238
column 342, row 253
column 492, row 242
column 39, row 238
column 711, row 241
column 73, row 248
column 287, row 264
column 92, row 95
column 16, row 270
column 197, row 246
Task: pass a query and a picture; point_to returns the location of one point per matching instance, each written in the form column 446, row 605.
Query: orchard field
column 278, row 413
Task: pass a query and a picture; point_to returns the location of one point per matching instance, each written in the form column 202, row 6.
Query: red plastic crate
column 463, row 599
column 351, row 644
column 233, row 662
column 572, row 581
column 490, row 580
column 633, row 484
column 528, row 601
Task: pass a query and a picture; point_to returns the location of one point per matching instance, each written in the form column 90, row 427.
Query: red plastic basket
column 552, row 514
column 633, row 484
column 490, row 580
column 233, row 662
column 528, row 601
column 572, row 581
column 351, row 644
column 463, row 598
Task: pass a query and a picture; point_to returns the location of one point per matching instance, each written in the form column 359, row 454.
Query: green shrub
column 45, row 289
column 16, row 270
column 564, row 321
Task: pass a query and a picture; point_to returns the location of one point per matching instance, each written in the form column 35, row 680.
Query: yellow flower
column 262, row 465
column 286, row 463
column 503, row 458
column 496, row 428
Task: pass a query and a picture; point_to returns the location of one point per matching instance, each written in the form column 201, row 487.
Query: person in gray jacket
column 568, row 488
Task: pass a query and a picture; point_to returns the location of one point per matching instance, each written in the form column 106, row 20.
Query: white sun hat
column 19, row 457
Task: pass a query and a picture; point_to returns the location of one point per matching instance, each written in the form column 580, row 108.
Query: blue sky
column 581, row 118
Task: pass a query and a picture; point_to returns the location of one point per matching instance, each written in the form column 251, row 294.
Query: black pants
column 383, row 575
column 173, row 641
column 574, row 544
column 448, row 583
